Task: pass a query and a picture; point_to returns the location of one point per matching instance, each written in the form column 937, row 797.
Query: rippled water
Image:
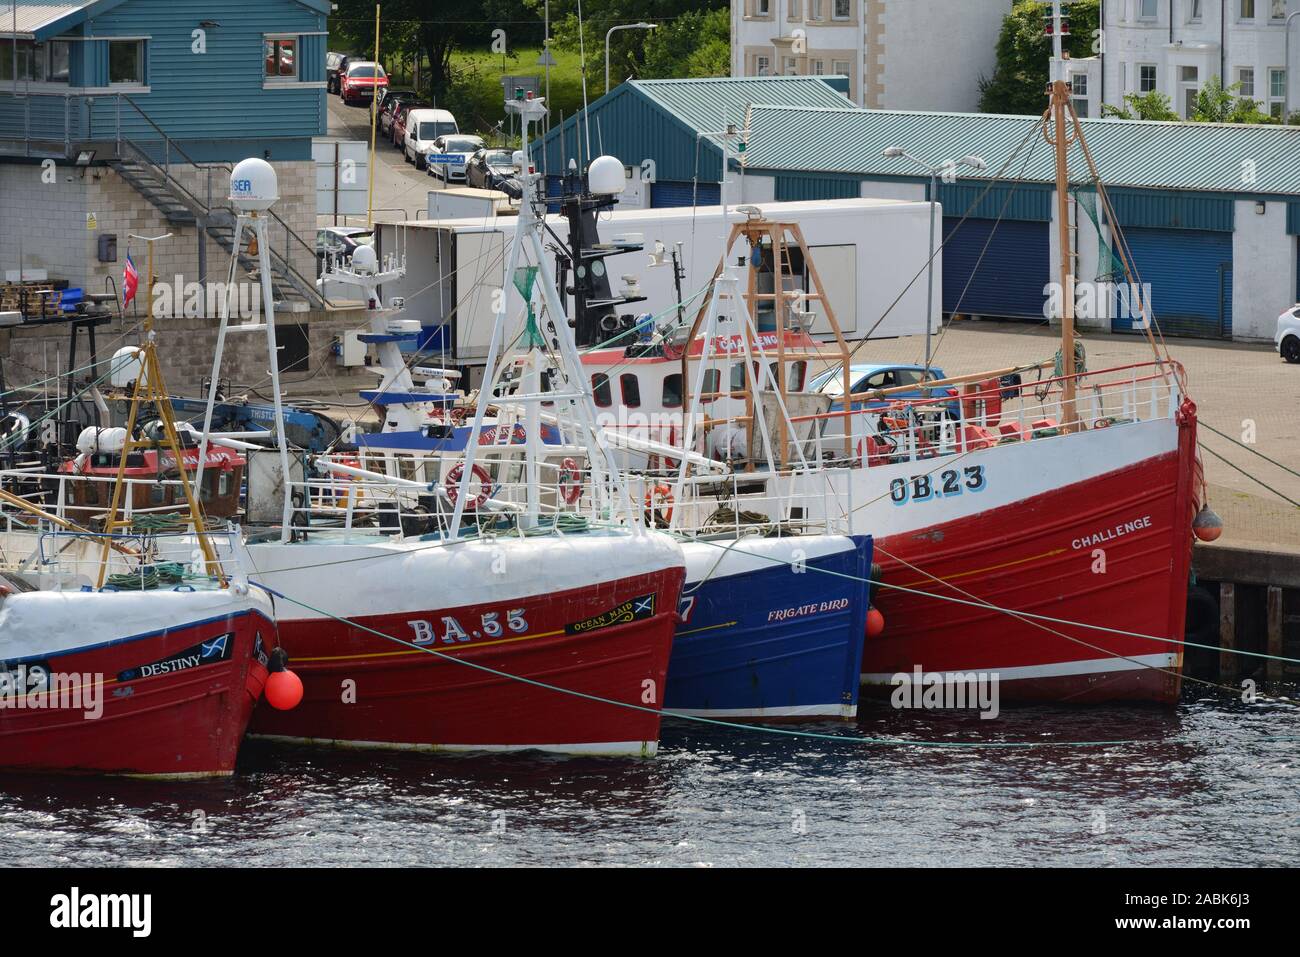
column 1209, row 784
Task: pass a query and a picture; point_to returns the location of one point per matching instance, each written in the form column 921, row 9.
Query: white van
column 422, row 128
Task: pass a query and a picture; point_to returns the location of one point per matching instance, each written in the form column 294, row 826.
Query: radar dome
column 125, row 366
column 365, row 260
column 606, row 176
column 254, row 185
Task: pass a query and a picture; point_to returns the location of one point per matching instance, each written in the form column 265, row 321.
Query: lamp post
column 1286, row 90
column 623, row 26
column 972, row 161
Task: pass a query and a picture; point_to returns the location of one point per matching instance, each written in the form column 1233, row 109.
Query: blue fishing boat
column 771, row 628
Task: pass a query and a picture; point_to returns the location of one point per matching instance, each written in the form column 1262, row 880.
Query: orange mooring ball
column 283, row 690
column 1207, row 525
column 875, row 623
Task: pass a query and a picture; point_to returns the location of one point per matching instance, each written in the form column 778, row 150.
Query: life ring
column 570, row 481
column 656, row 498
column 452, row 485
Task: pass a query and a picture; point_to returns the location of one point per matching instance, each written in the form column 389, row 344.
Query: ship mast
column 1060, row 111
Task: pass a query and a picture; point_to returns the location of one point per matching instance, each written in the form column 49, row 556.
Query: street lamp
column 623, row 26
column 971, row 161
column 1286, row 90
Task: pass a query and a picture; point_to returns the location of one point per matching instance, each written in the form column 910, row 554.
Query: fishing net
column 525, row 279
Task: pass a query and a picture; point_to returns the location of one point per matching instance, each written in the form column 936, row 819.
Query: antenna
column 582, row 66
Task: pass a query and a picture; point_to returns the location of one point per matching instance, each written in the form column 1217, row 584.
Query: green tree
column 695, row 44
column 1142, row 106
column 1021, row 74
column 433, row 31
column 629, row 49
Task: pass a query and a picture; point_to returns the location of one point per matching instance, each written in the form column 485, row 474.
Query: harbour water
column 1214, row 783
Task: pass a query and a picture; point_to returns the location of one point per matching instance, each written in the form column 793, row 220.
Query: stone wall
column 47, row 224
column 186, row 348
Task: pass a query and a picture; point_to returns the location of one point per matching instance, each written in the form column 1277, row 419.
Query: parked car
column 334, row 71
column 422, row 128
column 362, row 82
column 458, row 149
column 397, row 129
column 340, row 242
column 494, row 169
column 389, row 103
column 1288, row 334
column 865, row 378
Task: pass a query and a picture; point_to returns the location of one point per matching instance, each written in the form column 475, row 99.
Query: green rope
column 1249, row 449
column 1232, row 465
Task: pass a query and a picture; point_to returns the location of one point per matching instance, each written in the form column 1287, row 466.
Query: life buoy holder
column 452, row 485
column 570, row 481
column 659, row 505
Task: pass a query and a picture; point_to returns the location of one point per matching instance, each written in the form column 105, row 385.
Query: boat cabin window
column 673, row 391
column 158, row 494
column 601, row 390
column 630, row 387
column 712, row 380
column 798, row 373
column 738, row 377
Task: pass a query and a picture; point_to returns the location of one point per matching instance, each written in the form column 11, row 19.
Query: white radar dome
column 606, row 176
column 254, row 185
column 124, row 367
column 365, row 260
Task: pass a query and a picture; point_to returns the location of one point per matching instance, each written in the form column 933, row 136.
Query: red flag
column 130, row 282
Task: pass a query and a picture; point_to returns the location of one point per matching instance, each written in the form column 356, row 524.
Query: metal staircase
column 148, row 170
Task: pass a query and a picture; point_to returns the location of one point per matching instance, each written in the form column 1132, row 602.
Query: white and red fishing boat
column 125, row 649
column 1036, row 529
column 488, row 627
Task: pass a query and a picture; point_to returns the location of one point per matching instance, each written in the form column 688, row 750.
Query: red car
column 397, row 128
column 361, row 82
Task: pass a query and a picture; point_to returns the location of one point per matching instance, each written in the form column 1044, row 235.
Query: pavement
column 401, row 192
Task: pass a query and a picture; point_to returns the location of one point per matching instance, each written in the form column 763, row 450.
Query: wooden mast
column 150, row 390
column 1060, row 109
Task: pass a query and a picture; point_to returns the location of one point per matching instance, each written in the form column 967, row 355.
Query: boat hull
column 173, row 701
column 1111, row 549
column 533, row 665
column 772, row 629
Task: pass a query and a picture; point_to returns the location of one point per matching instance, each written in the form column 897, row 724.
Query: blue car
column 868, row 377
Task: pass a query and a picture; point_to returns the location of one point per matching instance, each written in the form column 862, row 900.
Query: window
column 601, row 391
column 630, row 387
column 1246, row 77
column 1079, row 93
column 1188, row 77
column 840, row 67
column 37, row 62
column 817, row 67
column 712, row 379
column 763, row 7
column 1246, row 10
column 815, row 9
column 1147, row 9
column 798, row 373
column 1276, row 91
column 842, row 10
column 1277, row 10
column 762, row 66
column 790, row 66
column 1146, row 78
column 126, row 63
column 281, row 61
column 673, row 391
column 1194, row 11
column 792, row 9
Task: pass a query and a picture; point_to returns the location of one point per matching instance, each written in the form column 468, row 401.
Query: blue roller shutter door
column 1190, row 275
column 664, row 195
column 1008, row 281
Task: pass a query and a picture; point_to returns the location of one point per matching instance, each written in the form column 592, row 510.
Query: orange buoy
column 875, row 622
column 1207, row 526
column 283, row 690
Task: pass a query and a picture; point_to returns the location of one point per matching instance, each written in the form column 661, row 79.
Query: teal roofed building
column 1209, row 212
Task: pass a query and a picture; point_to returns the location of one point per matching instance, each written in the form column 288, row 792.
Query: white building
column 1175, row 46
column 897, row 54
